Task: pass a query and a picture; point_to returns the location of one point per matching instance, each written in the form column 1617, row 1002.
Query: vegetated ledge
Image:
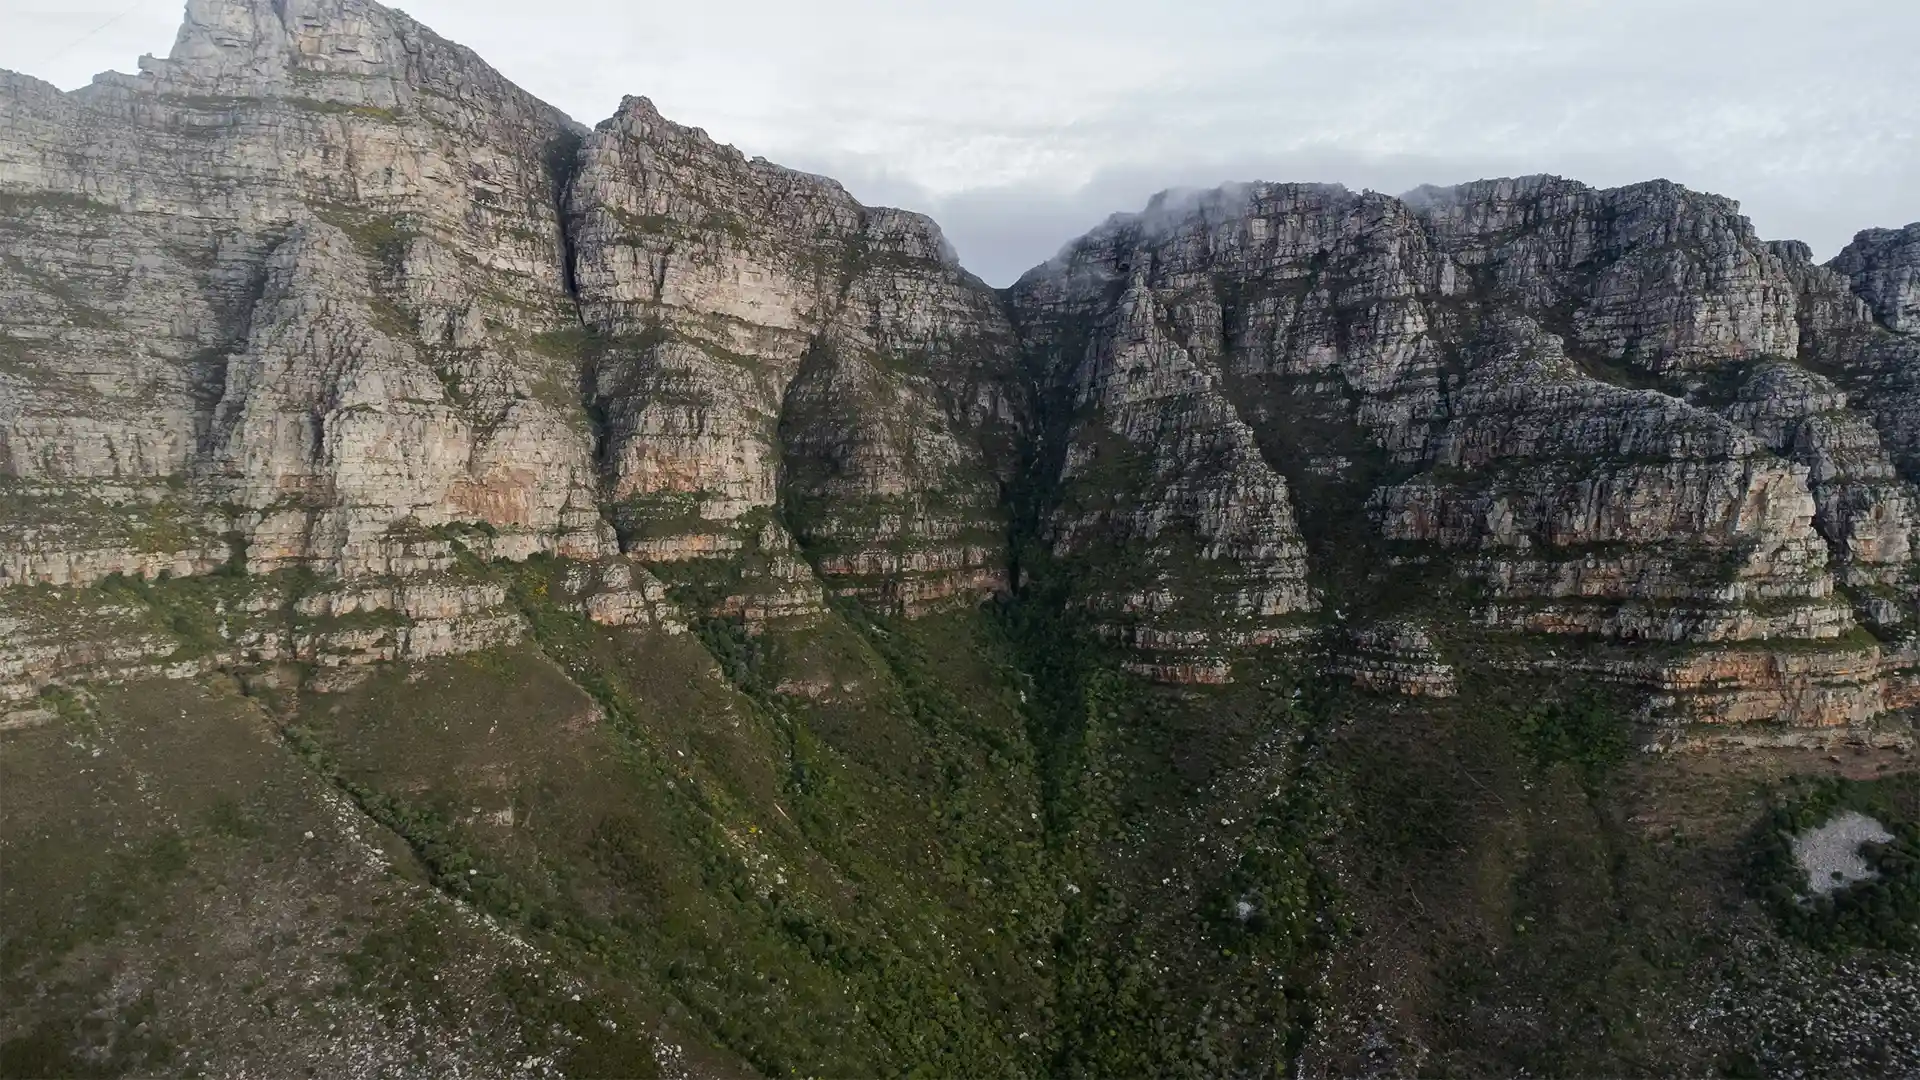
column 1803, row 693
column 1782, row 693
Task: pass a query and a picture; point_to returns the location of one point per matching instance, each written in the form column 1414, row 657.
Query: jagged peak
column 1176, row 207
column 17, row 82
column 1432, row 197
column 639, row 119
column 253, row 41
column 1459, row 204
column 1883, row 266
column 907, row 232
column 912, row 232
column 349, row 52
column 1879, row 235
column 20, row 88
column 636, row 109
column 1223, row 202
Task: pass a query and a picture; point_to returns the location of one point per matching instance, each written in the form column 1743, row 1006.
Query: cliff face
column 1614, row 416
column 295, row 271
column 485, row 596
column 324, row 301
column 301, row 300
column 762, row 341
column 276, row 305
column 1884, row 268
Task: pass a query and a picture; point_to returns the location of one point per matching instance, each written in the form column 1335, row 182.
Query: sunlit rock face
column 301, row 296
column 287, row 287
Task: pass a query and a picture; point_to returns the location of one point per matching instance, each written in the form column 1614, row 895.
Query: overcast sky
column 1021, row 123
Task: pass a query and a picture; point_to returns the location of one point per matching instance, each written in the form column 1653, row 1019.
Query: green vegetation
column 1880, row 913
column 968, row 845
column 653, row 514
column 679, row 822
column 167, row 527
column 176, row 883
column 574, row 344
column 53, row 1048
column 589, row 1043
column 722, row 221
column 22, row 203
column 1591, row 733
column 341, row 108
column 1495, row 869
column 201, row 613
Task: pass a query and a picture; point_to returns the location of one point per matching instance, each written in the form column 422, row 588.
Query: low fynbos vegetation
column 1588, row 731
column 1881, row 912
column 853, row 844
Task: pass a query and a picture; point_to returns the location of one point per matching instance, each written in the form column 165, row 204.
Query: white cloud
column 1020, row 122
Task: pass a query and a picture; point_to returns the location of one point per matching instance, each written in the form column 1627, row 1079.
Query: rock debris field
column 1831, row 856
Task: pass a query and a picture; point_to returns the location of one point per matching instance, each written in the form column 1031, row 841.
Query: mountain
column 484, row 596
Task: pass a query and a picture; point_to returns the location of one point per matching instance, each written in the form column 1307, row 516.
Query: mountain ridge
column 761, row 646
column 665, row 260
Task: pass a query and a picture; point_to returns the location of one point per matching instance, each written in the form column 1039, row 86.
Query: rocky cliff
column 761, row 342
column 1603, row 416
column 322, row 301
column 485, row 596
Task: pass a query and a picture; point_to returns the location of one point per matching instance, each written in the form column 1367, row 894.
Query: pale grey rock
column 1597, row 404
column 1652, row 275
column 1398, row 657
column 1866, row 511
column 1829, row 854
column 1884, row 268
column 318, row 245
column 765, row 339
column 1579, row 491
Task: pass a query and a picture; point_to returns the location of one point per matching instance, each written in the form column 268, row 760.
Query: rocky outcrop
column 1884, row 267
column 299, row 296
column 1601, row 410
column 1865, row 510
column 765, row 343
column 1592, row 509
column 1651, row 276
column 1179, row 533
column 315, row 252
column 1394, row 658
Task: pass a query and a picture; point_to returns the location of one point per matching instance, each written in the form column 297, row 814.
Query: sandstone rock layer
column 323, row 314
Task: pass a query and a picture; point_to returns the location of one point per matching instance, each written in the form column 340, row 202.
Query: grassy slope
column 825, row 886
column 181, row 894
column 1533, row 901
column 960, row 846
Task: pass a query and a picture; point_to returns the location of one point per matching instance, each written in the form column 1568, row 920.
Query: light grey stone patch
column 1831, row 856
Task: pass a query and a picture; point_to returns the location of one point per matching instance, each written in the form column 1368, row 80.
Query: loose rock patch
column 1830, row 854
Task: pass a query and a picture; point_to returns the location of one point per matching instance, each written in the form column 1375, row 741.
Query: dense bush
column 1883, row 912
column 1587, row 731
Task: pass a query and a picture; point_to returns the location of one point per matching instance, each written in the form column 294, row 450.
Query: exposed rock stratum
column 322, row 294
column 481, row 595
